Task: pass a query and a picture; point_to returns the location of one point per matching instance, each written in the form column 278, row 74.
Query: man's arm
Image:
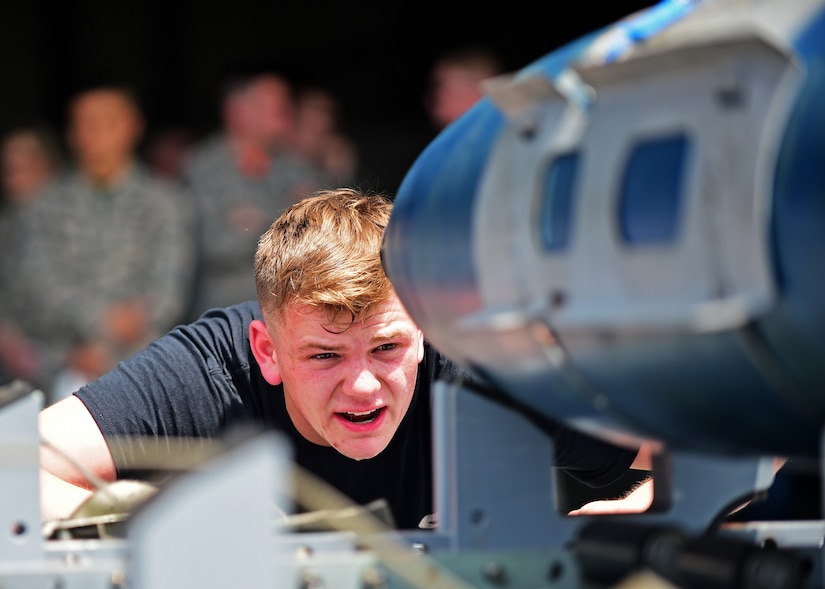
column 73, row 455
column 641, row 498
column 637, row 501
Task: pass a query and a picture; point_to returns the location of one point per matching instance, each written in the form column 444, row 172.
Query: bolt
column 495, row 573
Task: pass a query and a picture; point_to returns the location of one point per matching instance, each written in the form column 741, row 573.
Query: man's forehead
column 317, row 331
column 388, row 311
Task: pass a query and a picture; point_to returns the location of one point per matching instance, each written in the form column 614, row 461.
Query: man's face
column 348, row 386
column 453, row 91
column 265, row 112
column 25, row 167
column 104, row 130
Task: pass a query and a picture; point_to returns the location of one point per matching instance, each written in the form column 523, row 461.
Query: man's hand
column 638, row 501
column 59, row 499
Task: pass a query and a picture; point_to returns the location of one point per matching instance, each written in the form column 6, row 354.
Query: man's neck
column 109, row 176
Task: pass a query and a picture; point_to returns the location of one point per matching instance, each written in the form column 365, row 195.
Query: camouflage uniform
column 89, row 246
column 10, row 251
column 35, row 361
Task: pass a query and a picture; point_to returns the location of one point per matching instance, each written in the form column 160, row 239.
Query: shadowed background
column 373, row 56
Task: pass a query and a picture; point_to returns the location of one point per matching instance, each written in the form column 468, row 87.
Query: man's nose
column 364, row 382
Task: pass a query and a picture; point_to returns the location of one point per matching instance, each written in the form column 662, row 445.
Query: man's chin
column 361, row 449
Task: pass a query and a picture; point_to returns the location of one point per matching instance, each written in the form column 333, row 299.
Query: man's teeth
column 361, row 416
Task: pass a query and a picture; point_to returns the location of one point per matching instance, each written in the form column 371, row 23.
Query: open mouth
column 362, row 416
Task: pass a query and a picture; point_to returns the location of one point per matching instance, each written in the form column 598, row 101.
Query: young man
column 328, row 356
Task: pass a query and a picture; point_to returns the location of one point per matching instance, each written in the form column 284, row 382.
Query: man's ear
column 420, row 346
column 264, row 352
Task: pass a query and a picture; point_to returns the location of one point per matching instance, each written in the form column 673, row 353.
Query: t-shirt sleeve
column 593, row 461
column 179, row 386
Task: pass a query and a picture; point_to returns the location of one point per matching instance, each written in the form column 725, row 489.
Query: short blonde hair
column 325, row 251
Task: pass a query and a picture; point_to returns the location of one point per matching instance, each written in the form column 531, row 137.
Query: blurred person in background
column 319, row 136
column 452, row 84
column 243, row 176
column 29, row 157
column 110, row 247
column 455, row 82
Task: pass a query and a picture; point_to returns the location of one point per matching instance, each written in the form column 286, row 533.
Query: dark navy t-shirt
column 201, row 381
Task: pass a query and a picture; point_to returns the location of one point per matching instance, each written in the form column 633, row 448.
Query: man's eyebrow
column 319, row 346
column 377, row 338
column 396, row 334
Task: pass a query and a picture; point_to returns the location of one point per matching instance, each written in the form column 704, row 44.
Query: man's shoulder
column 65, row 180
column 56, row 199
column 296, row 169
column 223, row 332
column 240, row 313
column 436, row 366
column 204, row 154
column 160, row 194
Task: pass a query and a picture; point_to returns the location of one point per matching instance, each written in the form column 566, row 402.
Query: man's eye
column 324, row 356
column 386, row 347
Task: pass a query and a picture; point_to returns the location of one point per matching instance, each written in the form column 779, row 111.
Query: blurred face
column 348, row 386
column 25, row 167
column 264, row 112
column 103, row 132
column 316, row 114
column 453, row 91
